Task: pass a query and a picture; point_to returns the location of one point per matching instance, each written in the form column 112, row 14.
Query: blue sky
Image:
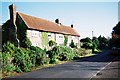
column 86, row 17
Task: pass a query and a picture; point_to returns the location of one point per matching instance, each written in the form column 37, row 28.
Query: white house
column 40, row 31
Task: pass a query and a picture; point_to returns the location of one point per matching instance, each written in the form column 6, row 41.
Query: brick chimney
column 13, row 27
column 57, row 21
column 71, row 25
column 12, row 9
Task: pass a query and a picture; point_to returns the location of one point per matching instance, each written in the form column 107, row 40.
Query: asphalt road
column 89, row 68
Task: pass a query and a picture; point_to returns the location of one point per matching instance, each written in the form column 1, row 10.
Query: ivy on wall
column 44, row 38
column 22, row 33
column 65, row 40
column 5, row 32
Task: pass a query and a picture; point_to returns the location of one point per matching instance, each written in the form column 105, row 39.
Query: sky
column 99, row 17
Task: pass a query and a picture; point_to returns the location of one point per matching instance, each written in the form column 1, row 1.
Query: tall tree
column 116, row 29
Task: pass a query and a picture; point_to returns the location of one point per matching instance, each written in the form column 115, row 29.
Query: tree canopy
column 116, row 29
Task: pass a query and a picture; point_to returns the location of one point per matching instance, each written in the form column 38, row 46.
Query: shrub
column 7, row 57
column 67, row 53
column 72, row 44
column 60, row 53
column 25, row 43
column 52, row 43
column 40, row 55
column 65, row 40
column 7, row 62
column 22, row 60
column 8, row 47
column 87, row 45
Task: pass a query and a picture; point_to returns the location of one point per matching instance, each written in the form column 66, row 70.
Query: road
column 98, row 66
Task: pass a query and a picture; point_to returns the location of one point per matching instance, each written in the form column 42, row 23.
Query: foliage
column 22, row 60
column 22, row 33
column 103, row 42
column 72, row 44
column 45, row 39
column 116, row 29
column 116, row 39
column 7, row 62
column 52, row 43
column 115, row 42
column 87, row 39
column 67, row 53
column 95, row 43
column 87, row 43
column 40, row 55
column 7, row 57
column 26, row 43
column 8, row 47
column 65, row 40
column 5, row 31
column 60, row 53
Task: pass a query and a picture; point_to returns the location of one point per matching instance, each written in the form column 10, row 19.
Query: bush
column 87, row 45
column 53, row 54
column 62, row 53
column 8, row 47
column 7, row 57
column 7, row 64
column 22, row 60
column 72, row 44
column 25, row 43
column 40, row 54
column 52, row 43
column 65, row 40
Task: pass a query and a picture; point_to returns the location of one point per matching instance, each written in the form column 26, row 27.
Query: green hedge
column 62, row 53
column 21, row 59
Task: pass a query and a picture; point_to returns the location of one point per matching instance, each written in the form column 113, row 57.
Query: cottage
column 39, row 31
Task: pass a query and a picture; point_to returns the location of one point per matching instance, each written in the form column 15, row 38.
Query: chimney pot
column 57, row 21
column 71, row 25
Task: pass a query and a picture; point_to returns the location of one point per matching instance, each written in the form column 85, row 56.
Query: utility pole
column 92, row 34
column 92, row 43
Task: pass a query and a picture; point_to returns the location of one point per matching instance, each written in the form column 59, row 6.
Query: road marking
column 102, row 69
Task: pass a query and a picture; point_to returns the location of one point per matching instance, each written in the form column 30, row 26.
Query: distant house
column 39, row 31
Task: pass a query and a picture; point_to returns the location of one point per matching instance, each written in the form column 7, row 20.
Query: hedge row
column 22, row 59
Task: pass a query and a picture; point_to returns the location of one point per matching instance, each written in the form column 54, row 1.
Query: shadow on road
column 105, row 56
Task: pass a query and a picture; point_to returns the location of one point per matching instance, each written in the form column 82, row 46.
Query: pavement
column 102, row 65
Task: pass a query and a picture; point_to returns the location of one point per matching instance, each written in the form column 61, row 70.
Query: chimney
column 13, row 27
column 12, row 9
column 71, row 25
column 57, row 21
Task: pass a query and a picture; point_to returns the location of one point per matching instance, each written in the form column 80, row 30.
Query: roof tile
column 45, row 25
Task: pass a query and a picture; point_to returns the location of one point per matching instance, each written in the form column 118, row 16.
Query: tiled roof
column 45, row 25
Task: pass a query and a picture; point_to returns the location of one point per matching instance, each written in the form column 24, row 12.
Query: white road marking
column 102, row 69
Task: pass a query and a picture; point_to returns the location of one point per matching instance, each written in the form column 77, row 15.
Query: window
column 49, row 36
column 60, row 36
column 35, row 33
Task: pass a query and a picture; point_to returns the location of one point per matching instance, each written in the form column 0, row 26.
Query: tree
column 116, row 29
column 103, row 42
column 116, row 35
column 87, row 39
column 87, row 43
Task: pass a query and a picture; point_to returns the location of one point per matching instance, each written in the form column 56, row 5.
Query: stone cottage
column 39, row 31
